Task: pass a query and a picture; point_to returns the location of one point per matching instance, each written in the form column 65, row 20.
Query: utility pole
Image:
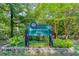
column 11, row 24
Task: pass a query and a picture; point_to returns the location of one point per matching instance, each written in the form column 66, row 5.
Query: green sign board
column 39, row 30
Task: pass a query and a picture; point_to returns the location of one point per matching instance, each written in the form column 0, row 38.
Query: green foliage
column 39, row 41
column 38, row 44
column 68, row 43
column 63, row 43
column 16, row 41
column 54, row 14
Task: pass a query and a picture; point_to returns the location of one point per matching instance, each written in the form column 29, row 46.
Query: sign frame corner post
column 26, row 39
column 51, row 40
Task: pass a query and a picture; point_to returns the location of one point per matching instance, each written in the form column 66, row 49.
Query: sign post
column 38, row 30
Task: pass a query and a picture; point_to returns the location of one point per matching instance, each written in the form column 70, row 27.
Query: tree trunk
column 55, row 30
column 11, row 11
column 65, row 30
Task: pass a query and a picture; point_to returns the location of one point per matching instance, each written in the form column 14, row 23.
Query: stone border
column 40, row 51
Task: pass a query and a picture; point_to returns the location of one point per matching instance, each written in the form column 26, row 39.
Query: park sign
column 39, row 30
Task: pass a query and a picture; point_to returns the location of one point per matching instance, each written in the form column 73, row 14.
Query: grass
column 39, row 44
column 76, row 46
column 34, row 44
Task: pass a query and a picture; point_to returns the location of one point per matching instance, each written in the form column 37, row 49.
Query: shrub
column 63, row 43
column 16, row 40
column 68, row 43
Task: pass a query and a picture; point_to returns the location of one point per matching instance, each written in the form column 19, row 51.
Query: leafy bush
column 15, row 41
column 68, row 43
column 63, row 43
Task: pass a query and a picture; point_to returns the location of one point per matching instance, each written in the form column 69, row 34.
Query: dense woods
column 64, row 19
